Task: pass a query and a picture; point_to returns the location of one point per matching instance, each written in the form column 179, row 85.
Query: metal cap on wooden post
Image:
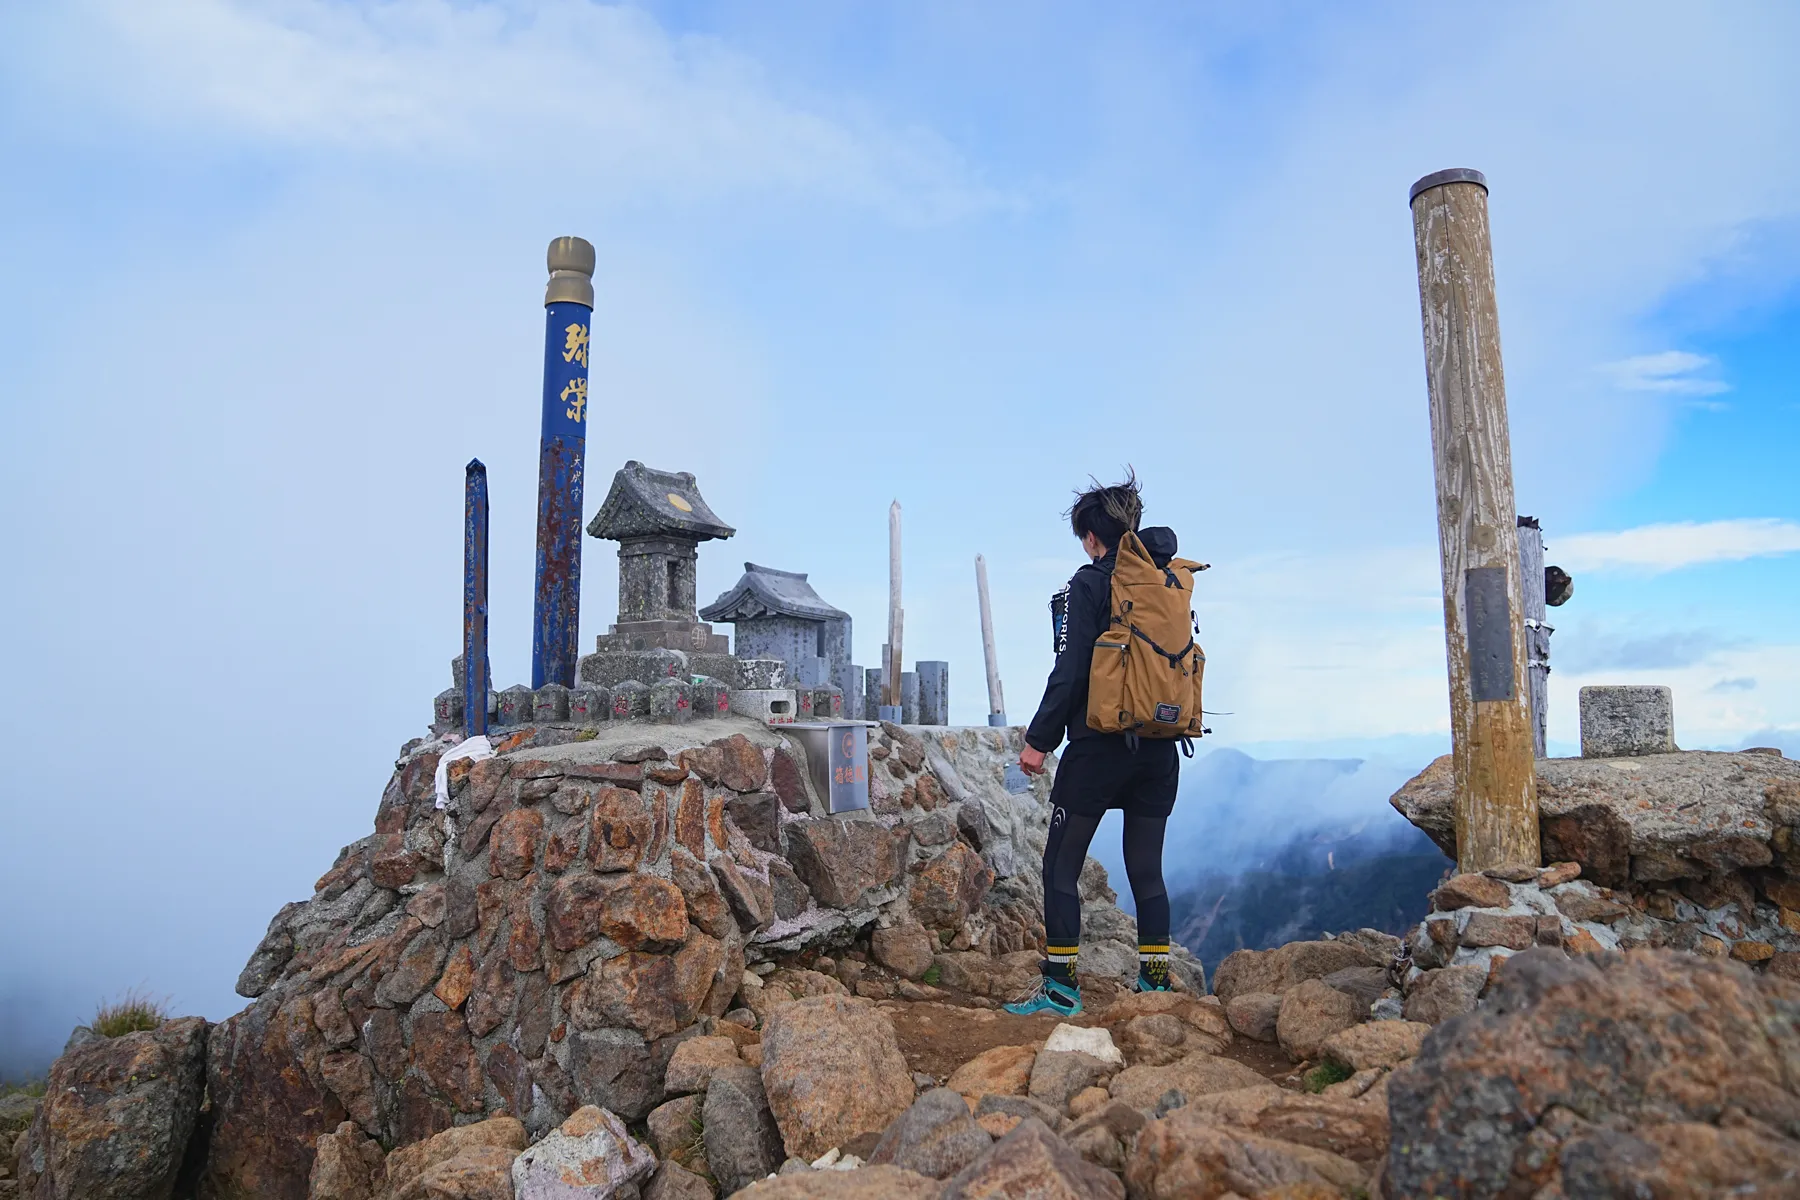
column 562, row 456
column 1490, row 719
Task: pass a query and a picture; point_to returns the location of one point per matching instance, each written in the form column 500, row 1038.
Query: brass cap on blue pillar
column 571, row 263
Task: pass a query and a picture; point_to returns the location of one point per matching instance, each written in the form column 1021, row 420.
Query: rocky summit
column 612, row 967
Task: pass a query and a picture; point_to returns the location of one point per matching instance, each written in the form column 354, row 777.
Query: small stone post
column 996, row 702
column 1490, row 722
column 562, row 456
column 475, row 599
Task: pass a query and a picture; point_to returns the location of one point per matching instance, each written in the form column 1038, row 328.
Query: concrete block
column 776, row 706
column 670, row 702
column 871, row 692
column 849, row 680
column 630, row 701
column 710, row 697
column 909, row 697
column 590, row 705
column 550, row 703
column 613, row 667
column 824, row 703
column 934, row 692
column 761, row 674
column 517, row 706
column 1617, row 722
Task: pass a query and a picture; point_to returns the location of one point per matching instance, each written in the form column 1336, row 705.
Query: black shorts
column 1098, row 773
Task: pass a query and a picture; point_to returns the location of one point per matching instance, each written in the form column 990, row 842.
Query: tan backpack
column 1147, row 665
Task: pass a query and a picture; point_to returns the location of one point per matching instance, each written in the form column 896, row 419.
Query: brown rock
column 785, row 778
column 692, row 1065
column 391, row 864
column 1254, row 1015
column 864, row 1183
column 352, row 1081
column 673, row 1181
column 841, row 860
column 619, row 830
column 1470, row 891
column 510, row 1074
column 935, row 1137
column 655, row 994
column 416, row 970
column 1557, row 874
column 946, row 889
column 564, row 846
column 1002, row 1071
column 1032, row 1161
column 674, row 1129
column 427, row 907
column 1495, row 929
column 1579, row 904
column 1196, row 1075
column 1185, row 1156
column 1583, row 942
column 347, row 1166
column 1375, row 1044
column 690, row 819
column 513, row 849
column 442, row 1050
column 636, row 911
column 491, row 1000
column 706, row 904
column 454, row 985
column 1752, row 951
column 1057, row 1075
column 741, row 765
column 1285, row 966
column 1445, row 993
column 331, row 1018
column 1311, row 1012
column 758, row 817
column 832, row 1070
column 1605, row 1077
column 408, row 1165
column 750, row 898
column 478, row 1173
column 905, row 949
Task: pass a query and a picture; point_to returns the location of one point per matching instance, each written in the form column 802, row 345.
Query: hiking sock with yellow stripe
column 1153, row 967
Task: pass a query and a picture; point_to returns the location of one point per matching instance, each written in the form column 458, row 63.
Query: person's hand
column 1031, row 761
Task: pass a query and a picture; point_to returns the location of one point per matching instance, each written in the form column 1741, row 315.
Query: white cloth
column 476, row 748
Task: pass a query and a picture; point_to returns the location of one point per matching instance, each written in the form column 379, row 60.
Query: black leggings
column 1066, row 849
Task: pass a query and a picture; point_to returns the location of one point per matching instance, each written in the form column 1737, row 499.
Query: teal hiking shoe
column 1051, row 996
column 1153, row 976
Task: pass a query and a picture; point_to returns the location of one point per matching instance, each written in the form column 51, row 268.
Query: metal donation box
column 838, row 756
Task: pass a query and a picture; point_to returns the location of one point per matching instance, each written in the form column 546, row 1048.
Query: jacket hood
column 1159, row 540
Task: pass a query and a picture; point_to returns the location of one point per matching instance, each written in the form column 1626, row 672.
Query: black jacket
column 1065, row 702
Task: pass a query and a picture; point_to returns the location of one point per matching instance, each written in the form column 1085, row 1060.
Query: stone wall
column 589, row 899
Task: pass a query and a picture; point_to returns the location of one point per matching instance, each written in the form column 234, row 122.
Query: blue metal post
column 475, row 599
column 562, row 453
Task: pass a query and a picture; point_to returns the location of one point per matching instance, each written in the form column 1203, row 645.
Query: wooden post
column 996, row 702
column 890, row 675
column 1490, row 723
column 1537, row 631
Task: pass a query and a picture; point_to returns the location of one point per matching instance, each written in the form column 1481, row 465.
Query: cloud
column 1658, row 548
column 1742, row 683
column 1671, row 372
column 1584, row 649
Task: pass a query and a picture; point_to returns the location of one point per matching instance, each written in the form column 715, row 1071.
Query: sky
column 273, row 273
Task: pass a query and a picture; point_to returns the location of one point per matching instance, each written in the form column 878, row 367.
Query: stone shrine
column 778, row 615
column 659, row 519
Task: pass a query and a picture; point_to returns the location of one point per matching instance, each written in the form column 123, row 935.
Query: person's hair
column 1107, row 511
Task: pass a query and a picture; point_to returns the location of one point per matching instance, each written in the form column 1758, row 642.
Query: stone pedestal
column 1621, row 722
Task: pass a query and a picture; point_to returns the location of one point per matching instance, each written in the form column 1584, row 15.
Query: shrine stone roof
column 766, row 592
column 645, row 502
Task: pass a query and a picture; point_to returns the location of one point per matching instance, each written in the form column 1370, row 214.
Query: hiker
column 1126, row 690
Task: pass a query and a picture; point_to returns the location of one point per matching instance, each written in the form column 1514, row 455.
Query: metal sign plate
column 1490, row 634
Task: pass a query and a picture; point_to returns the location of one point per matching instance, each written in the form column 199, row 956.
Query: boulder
column 1311, row 1012
column 864, row 1183
column 906, row 948
column 590, row 1155
column 788, row 985
column 1195, row 1075
column 637, row 911
column 673, row 1181
column 936, row 1136
column 1096, row 1043
column 348, row 1165
column 655, row 994
column 841, row 860
column 944, row 890
column 1375, row 1044
column 1286, row 966
column 1002, row 1071
column 479, row 1173
column 1470, row 891
column 1032, row 1161
column 1188, row 1156
column 116, row 1116
column 1338, row 1125
column 1202, row 1014
column 409, row 1169
column 1442, row 994
column 1057, row 1075
column 1000, row 977
column 1254, row 1015
column 743, row 1143
column 674, row 1130
column 706, row 904
column 832, row 1069
column 1649, row 1073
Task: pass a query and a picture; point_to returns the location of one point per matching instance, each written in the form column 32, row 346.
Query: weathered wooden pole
column 475, row 598
column 1537, row 628
column 890, row 670
column 1490, row 722
column 996, row 702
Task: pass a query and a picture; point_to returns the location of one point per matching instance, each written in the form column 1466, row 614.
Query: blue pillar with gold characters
column 562, row 452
